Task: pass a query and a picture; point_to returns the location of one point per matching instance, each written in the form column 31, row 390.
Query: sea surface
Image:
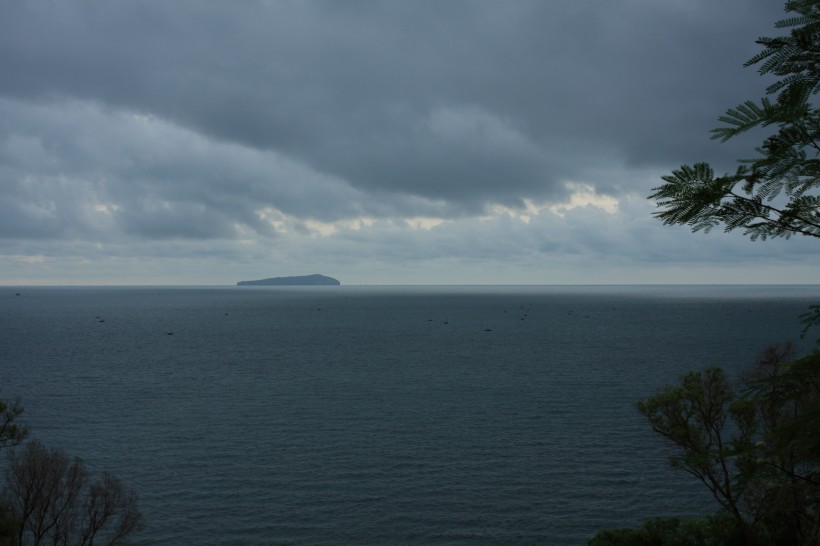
column 379, row 415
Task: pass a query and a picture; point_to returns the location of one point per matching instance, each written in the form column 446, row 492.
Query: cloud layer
column 378, row 141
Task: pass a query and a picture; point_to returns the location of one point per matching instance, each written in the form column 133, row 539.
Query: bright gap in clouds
column 583, row 195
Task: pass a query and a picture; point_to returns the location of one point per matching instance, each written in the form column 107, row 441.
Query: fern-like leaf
column 788, row 163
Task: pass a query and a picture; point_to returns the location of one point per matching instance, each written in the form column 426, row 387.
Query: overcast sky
column 375, row 141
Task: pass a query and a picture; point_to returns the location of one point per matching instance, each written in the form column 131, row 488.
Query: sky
column 374, row 141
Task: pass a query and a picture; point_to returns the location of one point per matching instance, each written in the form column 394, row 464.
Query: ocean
column 379, row 415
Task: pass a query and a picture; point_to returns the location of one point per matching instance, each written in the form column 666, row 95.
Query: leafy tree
column 774, row 194
column 755, row 448
column 693, row 416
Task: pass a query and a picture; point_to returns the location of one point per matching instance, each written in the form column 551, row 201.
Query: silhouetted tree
column 749, row 446
column 757, row 449
column 53, row 501
column 50, row 498
column 11, row 433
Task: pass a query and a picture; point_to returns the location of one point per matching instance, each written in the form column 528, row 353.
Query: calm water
column 365, row 415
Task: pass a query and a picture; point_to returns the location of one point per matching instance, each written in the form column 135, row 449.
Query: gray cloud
column 352, row 89
column 290, row 131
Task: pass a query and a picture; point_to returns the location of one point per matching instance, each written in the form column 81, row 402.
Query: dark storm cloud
column 425, row 141
column 466, row 103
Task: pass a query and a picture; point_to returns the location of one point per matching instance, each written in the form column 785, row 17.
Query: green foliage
column 756, row 449
column 710, row 531
column 787, row 398
column 809, row 319
column 693, row 416
column 774, row 194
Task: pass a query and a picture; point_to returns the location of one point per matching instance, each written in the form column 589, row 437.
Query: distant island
column 304, row 280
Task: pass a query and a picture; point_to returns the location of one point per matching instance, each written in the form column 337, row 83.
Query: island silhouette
column 303, row 280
